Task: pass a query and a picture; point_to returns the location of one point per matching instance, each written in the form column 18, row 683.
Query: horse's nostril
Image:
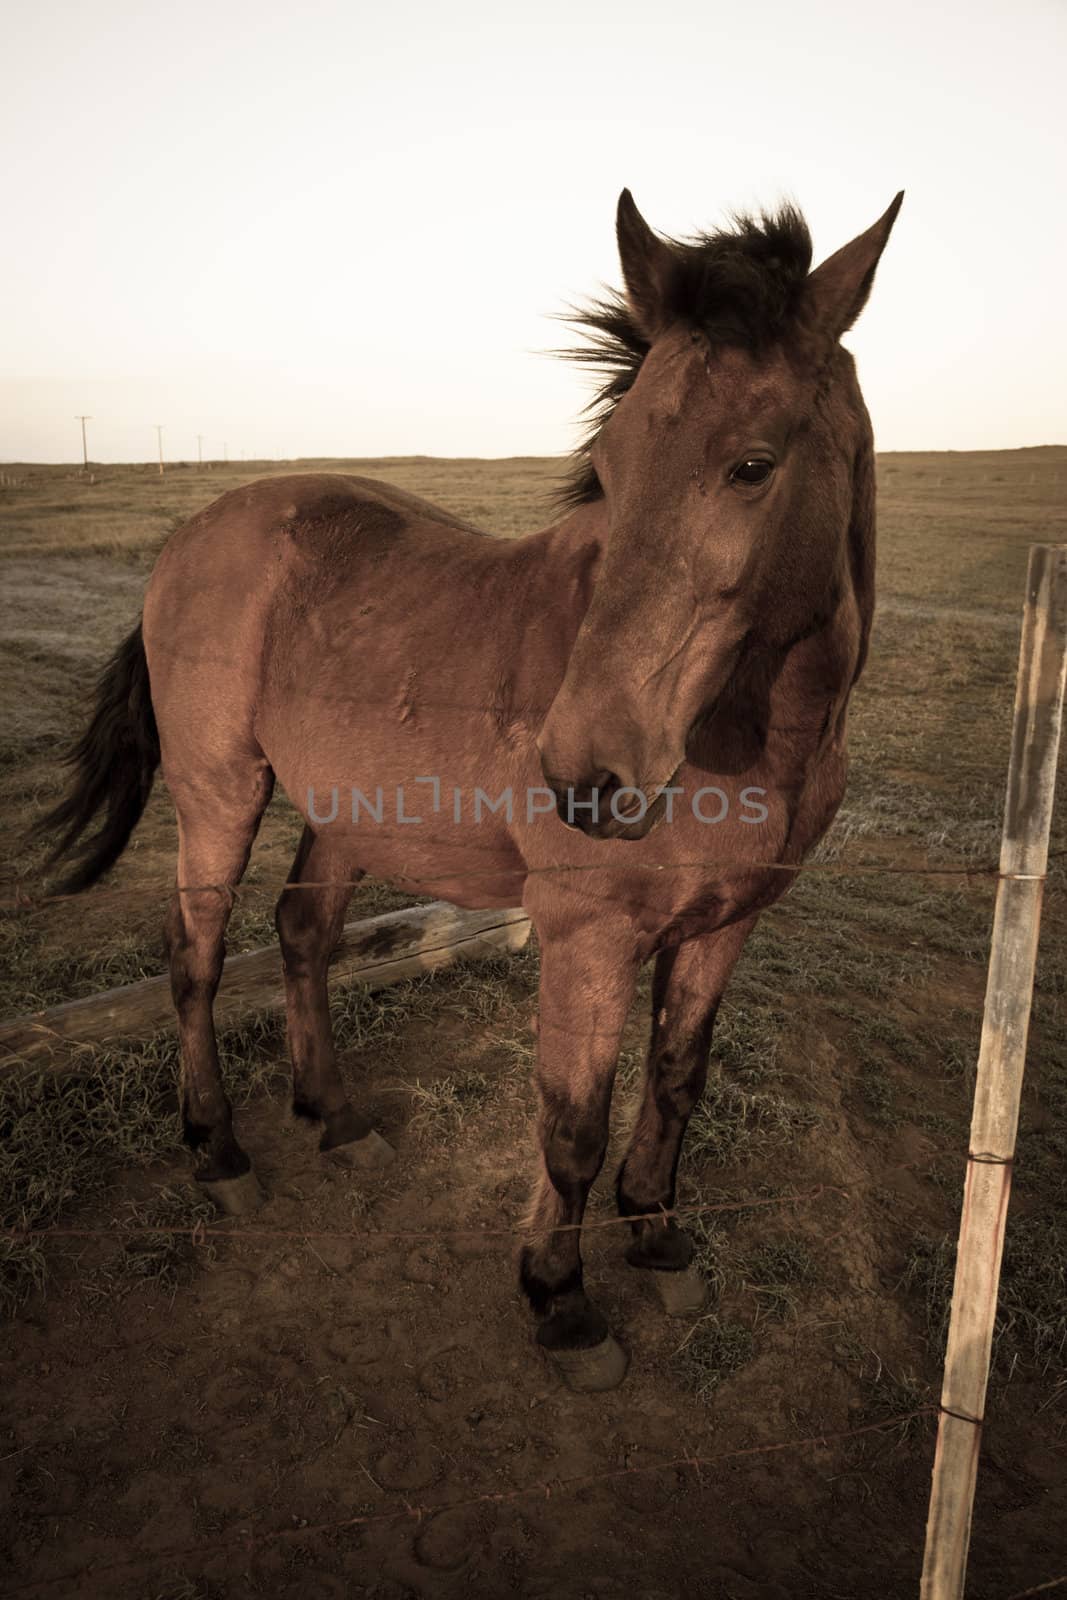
column 603, row 782
column 634, row 805
column 587, row 803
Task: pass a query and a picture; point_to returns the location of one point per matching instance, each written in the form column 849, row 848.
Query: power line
column 85, row 448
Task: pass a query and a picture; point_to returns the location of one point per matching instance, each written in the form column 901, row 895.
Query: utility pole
column 225, row 452
column 200, row 449
column 159, row 435
column 85, row 448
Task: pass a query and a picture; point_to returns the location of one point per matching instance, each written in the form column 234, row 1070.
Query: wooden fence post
column 1002, row 1054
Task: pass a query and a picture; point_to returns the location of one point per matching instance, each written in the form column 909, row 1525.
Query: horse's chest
column 738, row 840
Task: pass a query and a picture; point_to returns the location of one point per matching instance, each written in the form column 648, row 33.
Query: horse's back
column 244, row 571
column 245, row 544
column 283, row 507
column 313, row 497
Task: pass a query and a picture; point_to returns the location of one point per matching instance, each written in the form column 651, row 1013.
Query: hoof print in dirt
column 236, row 1197
column 369, row 1154
column 591, row 1371
column 681, row 1294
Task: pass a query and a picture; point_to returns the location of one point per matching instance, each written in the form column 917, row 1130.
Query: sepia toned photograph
column 533, row 850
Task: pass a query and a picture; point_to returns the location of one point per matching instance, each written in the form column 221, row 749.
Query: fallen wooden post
column 380, row 950
column 1001, row 1058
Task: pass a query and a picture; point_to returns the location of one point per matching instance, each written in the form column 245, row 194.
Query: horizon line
column 562, row 456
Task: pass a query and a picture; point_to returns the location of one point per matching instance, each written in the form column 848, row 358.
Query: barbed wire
column 250, row 1541
column 199, row 1232
column 21, row 901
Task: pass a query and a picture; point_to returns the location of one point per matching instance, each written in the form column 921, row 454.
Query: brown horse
column 620, row 721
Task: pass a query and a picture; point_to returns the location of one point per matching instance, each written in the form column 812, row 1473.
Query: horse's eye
column 753, row 470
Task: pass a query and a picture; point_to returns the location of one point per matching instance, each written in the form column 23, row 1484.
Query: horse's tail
column 114, row 763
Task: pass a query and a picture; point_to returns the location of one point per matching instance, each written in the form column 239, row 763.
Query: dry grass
column 126, row 512
column 443, row 1106
column 64, row 1137
column 1031, row 1325
column 884, row 973
column 712, row 1351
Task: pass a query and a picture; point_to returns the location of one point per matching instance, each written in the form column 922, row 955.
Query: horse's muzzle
column 603, row 807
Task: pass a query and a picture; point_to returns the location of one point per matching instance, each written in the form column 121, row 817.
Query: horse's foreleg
column 687, row 987
column 309, row 922
column 585, row 993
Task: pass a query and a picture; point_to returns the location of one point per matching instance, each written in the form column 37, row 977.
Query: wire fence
column 246, row 1539
column 21, row 900
column 199, row 1232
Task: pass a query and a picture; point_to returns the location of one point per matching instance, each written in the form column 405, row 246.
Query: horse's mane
column 738, row 286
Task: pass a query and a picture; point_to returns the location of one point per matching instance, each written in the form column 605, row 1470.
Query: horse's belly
column 418, row 833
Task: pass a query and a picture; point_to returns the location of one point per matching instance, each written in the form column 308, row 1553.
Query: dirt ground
column 283, row 1385
column 359, row 1410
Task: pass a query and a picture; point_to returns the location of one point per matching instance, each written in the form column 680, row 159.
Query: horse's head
column 725, row 458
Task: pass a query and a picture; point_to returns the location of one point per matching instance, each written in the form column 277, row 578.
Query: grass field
column 847, row 1049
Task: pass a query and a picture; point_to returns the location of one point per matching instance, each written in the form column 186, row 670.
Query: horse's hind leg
column 217, row 823
column 687, row 987
column 309, row 922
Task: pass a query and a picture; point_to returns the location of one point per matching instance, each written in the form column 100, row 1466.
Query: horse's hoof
column 236, row 1197
column 369, row 1154
column 591, row 1371
column 681, row 1294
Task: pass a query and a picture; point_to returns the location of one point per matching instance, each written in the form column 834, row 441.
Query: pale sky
column 333, row 228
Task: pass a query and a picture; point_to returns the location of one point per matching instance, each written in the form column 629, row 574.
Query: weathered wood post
column 1009, row 989
column 381, row 950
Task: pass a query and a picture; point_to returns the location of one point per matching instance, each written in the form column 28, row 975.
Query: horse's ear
column 836, row 292
column 647, row 264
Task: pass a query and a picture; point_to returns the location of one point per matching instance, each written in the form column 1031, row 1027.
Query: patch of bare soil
column 366, row 1414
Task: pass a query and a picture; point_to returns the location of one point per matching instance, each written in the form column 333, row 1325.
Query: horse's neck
column 818, row 672
column 560, row 565
column 779, row 700
column 784, row 707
